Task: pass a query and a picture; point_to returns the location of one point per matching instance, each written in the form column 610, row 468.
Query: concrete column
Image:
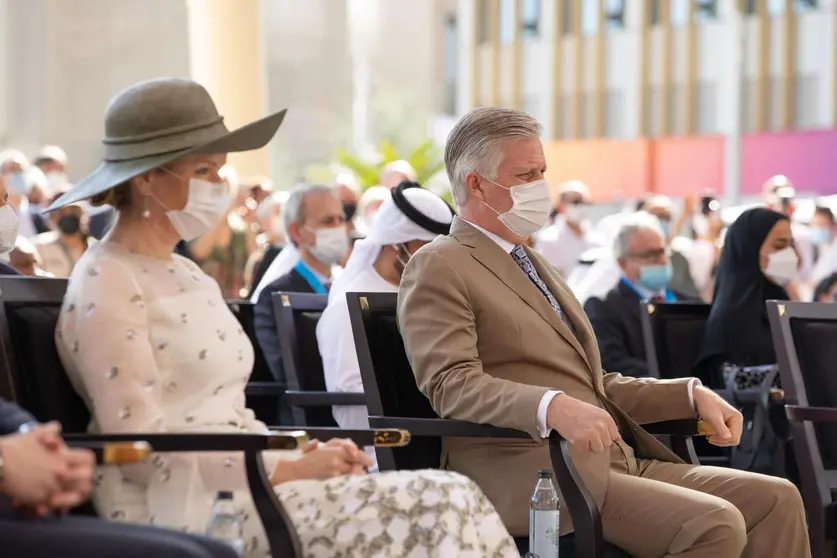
column 552, row 39
column 468, row 74
column 226, row 57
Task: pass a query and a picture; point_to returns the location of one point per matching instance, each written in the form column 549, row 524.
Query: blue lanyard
column 667, row 294
column 310, row 278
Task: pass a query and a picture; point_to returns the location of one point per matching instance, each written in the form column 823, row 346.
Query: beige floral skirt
column 404, row 514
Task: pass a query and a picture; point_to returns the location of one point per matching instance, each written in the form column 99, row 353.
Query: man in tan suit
column 495, row 336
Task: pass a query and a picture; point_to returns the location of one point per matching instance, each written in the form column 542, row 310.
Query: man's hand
column 32, row 472
column 581, row 424
column 721, row 416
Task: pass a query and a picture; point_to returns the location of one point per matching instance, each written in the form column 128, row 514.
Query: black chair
column 262, row 392
column 297, row 315
column 32, row 375
column 673, row 335
column 394, row 401
column 804, row 336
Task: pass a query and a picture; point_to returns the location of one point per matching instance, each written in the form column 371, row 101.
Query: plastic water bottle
column 227, row 522
column 544, row 518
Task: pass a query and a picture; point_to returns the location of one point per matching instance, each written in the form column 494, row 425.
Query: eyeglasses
column 651, row 254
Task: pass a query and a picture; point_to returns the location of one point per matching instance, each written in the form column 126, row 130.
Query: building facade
column 654, row 75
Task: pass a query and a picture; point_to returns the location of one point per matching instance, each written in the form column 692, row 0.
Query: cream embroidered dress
column 152, row 347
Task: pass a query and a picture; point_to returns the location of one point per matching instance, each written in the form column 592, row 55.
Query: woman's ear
column 142, row 183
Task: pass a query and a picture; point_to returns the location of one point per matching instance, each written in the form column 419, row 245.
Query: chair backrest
column 388, row 379
column 297, row 316
column 265, row 407
column 673, row 335
column 32, row 373
column 243, row 311
column 804, row 337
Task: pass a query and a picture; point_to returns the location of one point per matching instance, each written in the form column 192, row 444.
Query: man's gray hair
column 639, row 221
column 474, row 144
column 294, row 209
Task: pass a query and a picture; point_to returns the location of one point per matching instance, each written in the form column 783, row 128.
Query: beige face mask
column 531, row 204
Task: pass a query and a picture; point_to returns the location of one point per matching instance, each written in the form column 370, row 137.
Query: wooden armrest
column 444, row 427
column 380, row 438
column 324, row 398
column 116, row 453
column 686, row 427
column 201, row 442
column 795, row 413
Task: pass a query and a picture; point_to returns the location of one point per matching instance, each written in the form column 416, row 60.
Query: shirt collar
column 644, row 293
column 322, row 278
column 501, row 242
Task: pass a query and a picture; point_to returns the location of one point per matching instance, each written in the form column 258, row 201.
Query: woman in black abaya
column 757, row 262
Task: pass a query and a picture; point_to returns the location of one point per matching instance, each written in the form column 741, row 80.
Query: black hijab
column 738, row 331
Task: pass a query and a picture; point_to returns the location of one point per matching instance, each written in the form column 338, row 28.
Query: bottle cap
column 225, row 495
column 545, row 474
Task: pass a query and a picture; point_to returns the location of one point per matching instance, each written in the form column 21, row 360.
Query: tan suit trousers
column 659, row 509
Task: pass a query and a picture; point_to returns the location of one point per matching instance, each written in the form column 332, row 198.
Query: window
column 679, row 12
column 567, row 17
column 654, row 16
column 589, row 18
column 807, row 97
column 530, row 18
column 614, row 114
column 483, row 37
column 706, row 10
column 451, row 63
column 615, row 14
column 507, row 21
column 805, row 5
column 707, row 108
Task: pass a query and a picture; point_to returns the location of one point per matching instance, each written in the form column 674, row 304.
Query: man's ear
column 294, row 230
column 474, row 186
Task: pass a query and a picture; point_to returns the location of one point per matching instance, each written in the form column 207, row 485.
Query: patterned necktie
column 521, row 258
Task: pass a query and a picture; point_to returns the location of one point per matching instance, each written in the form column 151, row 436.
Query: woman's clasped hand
column 322, row 461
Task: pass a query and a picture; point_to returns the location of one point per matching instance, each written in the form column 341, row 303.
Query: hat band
column 160, row 145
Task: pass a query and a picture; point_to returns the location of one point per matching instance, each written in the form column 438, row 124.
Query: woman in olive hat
column 151, row 346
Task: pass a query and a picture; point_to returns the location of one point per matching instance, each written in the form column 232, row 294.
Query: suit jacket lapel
column 503, row 266
column 583, row 340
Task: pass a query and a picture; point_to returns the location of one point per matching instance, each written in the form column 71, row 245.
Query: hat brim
column 110, row 174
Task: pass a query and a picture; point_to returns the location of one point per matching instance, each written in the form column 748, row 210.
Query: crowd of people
column 510, row 307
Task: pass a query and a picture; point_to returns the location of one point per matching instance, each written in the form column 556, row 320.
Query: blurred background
column 636, row 96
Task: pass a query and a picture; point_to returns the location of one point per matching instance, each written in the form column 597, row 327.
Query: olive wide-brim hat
column 158, row 121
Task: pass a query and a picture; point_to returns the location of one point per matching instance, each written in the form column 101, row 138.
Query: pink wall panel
column 809, row 159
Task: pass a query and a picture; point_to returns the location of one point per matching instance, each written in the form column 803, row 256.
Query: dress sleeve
column 107, row 337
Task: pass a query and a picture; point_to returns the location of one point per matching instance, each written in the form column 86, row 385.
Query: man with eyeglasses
column 646, row 271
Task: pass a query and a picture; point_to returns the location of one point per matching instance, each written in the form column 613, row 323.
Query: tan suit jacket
column 485, row 345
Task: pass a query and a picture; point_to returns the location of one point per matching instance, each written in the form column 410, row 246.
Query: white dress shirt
column 543, row 405
column 561, row 246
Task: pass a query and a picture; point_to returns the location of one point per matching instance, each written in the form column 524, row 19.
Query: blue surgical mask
column 665, row 225
column 820, row 235
column 16, row 182
column 655, row 277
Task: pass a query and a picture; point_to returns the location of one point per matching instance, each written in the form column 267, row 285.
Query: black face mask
column 349, row 209
column 69, row 224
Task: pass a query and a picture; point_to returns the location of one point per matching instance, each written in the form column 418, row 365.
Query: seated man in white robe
column 406, row 221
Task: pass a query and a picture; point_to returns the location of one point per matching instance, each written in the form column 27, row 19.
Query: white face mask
column 331, row 244
column 531, row 205
column 782, row 266
column 206, row 204
column 57, row 180
column 8, row 231
column 574, row 213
